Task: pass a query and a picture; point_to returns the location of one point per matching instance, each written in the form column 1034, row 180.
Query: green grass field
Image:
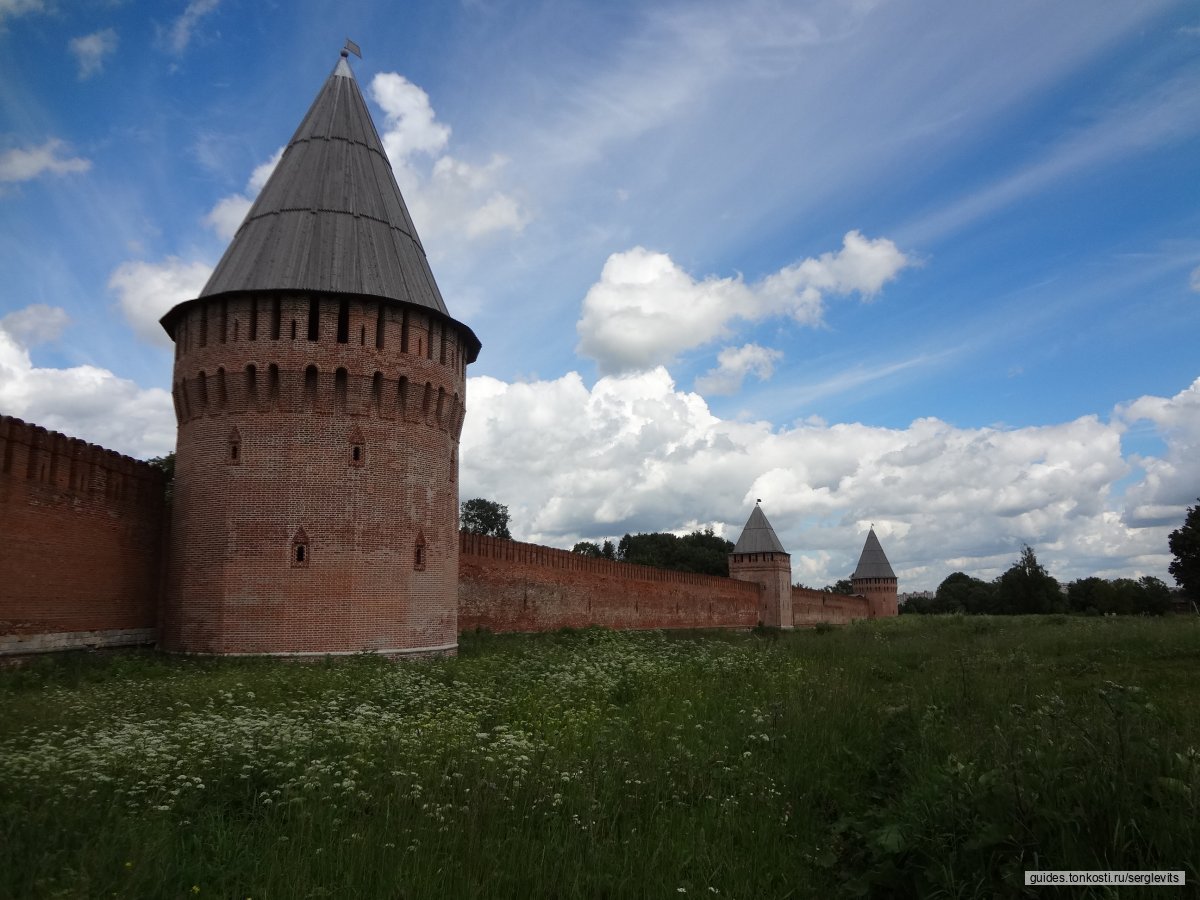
column 924, row 756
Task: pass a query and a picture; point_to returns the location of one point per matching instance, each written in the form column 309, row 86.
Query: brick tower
column 759, row 556
column 875, row 580
column 319, row 388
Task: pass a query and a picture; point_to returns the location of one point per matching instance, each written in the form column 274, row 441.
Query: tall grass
column 928, row 757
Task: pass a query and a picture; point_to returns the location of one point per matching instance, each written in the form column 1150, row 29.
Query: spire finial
column 758, row 501
column 351, row 47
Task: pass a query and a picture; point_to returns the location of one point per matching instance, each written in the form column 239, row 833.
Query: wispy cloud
column 179, row 34
column 90, row 51
column 27, row 163
column 10, row 9
column 1141, row 125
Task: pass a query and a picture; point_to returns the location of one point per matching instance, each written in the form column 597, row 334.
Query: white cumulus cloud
column 634, row 453
column 450, row 199
column 36, row 324
column 227, row 215
column 27, row 163
column 147, row 291
column 645, row 309
column 81, row 401
column 90, row 51
column 734, row 364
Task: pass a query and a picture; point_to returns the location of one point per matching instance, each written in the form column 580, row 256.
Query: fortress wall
column 80, row 542
column 512, row 586
column 810, row 607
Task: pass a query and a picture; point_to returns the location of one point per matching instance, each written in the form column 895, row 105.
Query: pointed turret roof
column 758, row 536
column 331, row 219
column 874, row 562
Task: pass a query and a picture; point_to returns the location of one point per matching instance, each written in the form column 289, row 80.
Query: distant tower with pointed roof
column 759, row 556
column 875, row 580
column 319, row 387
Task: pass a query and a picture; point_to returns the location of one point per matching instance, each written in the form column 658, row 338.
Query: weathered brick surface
column 881, row 594
column 811, row 607
column 512, row 586
column 80, row 537
column 346, row 444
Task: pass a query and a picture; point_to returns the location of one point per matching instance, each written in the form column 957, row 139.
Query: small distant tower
column 319, row 388
column 875, row 580
column 759, row 556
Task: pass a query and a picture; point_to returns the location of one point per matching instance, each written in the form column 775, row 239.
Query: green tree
column 487, row 517
column 841, row 586
column 594, row 550
column 1028, row 588
column 1185, row 547
column 961, row 593
column 167, row 464
column 701, row 551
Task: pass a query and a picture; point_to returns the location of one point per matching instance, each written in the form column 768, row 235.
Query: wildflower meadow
column 935, row 756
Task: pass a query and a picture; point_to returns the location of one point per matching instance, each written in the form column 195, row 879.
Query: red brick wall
column 513, row 586
column 80, row 537
column 810, row 607
column 394, row 388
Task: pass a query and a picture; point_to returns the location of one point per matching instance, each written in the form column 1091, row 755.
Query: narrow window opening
column 404, row 332
column 402, row 397
column 429, row 348
column 358, row 447
column 251, row 383
column 224, row 319
column 419, row 553
column 300, row 553
column 203, row 326
column 202, row 391
column 442, row 350
column 343, row 322
column 314, row 319
column 339, row 390
column 379, row 329
column 276, row 318
column 293, row 329
column 441, row 405
column 357, row 454
column 235, row 330
column 235, row 447
column 362, row 336
column 273, row 382
column 254, row 318
column 377, row 392
column 310, row 385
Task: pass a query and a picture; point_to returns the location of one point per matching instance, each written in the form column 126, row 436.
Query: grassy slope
column 912, row 757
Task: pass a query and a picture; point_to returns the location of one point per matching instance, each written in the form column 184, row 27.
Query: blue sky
column 930, row 265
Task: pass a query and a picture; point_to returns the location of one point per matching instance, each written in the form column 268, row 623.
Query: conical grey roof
column 758, row 536
column 331, row 218
column 874, row 562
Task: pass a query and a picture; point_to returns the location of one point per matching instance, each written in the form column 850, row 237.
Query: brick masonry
column 316, row 495
column 84, row 530
column 80, row 542
column 512, row 586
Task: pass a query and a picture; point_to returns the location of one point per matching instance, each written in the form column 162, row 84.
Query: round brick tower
column 319, row 387
column 874, row 579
